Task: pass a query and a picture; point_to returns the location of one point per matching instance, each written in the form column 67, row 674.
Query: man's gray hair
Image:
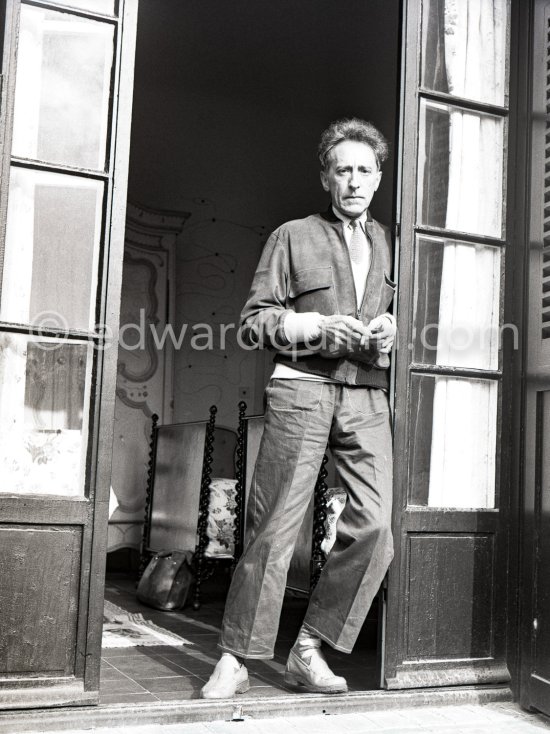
column 352, row 129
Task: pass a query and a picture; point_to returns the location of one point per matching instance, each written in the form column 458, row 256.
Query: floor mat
column 129, row 629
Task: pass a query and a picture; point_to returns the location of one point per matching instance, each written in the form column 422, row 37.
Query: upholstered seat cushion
column 221, row 518
column 336, row 501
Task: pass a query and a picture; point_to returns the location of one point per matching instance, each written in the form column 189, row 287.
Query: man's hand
column 345, row 336
column 384, row 330
column 378, row 343
column 341, row 336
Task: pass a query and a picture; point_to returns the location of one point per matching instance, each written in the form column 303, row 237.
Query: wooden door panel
column 450, row 602
column 40, row 574
column 452, row 620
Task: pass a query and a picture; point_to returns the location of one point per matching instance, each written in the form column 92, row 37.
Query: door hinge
column 397, row 229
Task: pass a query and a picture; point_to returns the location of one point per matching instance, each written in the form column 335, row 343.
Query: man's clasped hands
column 346, row 336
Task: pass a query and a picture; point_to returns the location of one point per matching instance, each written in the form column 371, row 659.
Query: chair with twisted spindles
column 193, row 501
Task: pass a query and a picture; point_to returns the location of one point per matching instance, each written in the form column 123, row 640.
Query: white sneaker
column 228, row 678
column 310, row 670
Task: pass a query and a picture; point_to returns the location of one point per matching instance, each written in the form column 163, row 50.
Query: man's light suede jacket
column 305, row 266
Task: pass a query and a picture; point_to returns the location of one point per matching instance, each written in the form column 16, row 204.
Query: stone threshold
column 286, row 705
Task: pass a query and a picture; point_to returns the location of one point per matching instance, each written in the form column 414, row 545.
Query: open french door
column 446, row 596
column 67, row 73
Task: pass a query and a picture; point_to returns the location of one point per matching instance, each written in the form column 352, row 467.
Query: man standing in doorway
column 319, row 299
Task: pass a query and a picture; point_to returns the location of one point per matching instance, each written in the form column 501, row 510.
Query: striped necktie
column 357, row 242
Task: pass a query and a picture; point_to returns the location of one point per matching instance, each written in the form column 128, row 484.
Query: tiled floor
column 164, row 673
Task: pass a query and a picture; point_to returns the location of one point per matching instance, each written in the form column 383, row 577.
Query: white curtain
column 462, row 467
column 39, row 455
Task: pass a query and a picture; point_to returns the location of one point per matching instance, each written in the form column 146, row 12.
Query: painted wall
column 230, row 100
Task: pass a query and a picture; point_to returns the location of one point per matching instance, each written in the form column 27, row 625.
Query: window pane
column 464, row 48
column 460, row 165
column 456, row 304
column 62, row 88
column 43, row 402
column 453, row 441
column 107, row 7
column 52, row 243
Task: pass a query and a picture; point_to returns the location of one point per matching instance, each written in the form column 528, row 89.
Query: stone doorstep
column 185, row 712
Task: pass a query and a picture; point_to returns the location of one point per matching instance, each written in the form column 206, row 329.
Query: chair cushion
column 336, row 501
column 221, row 518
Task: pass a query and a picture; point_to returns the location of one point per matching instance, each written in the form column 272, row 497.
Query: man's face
column 352, row 177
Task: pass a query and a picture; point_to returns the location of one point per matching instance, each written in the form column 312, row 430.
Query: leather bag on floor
column 166, row 580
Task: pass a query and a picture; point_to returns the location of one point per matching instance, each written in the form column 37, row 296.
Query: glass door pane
column 52, row 244
column 460, row 169
column 464, row 48
column 62, row 88
column 456, row 303
column 44, row 402
column 453, row 441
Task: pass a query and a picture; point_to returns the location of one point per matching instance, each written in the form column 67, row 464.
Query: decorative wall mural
column 215, row 262
column 139, row 308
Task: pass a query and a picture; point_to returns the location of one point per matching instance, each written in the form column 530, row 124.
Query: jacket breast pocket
column 388, row 292
column 312, row 289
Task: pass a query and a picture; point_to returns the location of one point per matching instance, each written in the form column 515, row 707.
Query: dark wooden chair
column 185, row 461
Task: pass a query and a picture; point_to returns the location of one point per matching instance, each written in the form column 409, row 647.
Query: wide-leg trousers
column 301, row 417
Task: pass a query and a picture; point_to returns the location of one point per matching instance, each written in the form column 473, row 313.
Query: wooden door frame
column 107, row 374
column 515, row 313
